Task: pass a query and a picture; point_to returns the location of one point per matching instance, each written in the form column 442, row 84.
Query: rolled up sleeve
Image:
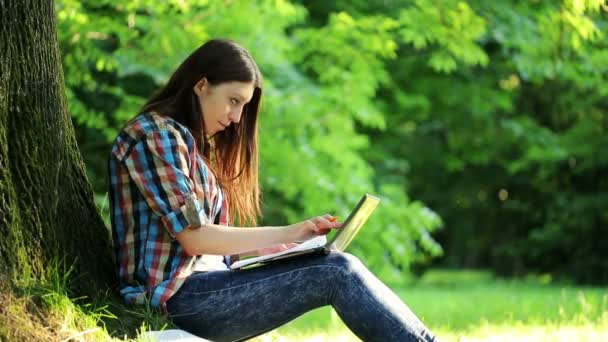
column 160, row 166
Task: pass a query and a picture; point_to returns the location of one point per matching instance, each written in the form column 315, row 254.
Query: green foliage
column 492, row 113
column 510, row 155
column 346, row 57
column 317, row 95
column 452, row 26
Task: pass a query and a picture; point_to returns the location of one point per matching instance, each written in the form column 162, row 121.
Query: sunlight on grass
column 455, row 305
column 474, row 306
column 523, row 332
column 319, row 325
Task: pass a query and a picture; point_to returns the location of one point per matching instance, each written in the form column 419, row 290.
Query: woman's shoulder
column 148, row 124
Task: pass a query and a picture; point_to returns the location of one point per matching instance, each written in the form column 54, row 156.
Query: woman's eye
column 234, row 101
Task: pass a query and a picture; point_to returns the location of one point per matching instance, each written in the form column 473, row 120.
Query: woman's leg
column 237, row 305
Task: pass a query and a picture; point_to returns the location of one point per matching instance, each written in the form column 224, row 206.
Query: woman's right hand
column 318, row 225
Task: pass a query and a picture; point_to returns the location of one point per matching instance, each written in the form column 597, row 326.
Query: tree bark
column 47, row 210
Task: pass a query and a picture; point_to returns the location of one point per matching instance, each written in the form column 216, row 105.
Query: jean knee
column 346, row 261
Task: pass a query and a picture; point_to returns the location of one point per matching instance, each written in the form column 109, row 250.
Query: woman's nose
column 235, row 115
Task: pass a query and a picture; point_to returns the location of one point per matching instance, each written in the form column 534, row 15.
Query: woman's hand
column 319, row 225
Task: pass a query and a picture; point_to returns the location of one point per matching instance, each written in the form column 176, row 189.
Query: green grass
column 455, row 305
column 474, row 306
column 43, row 309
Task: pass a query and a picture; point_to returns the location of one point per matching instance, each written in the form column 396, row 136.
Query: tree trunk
column 47, row 210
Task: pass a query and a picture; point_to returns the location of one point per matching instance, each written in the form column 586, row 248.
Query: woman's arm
column 223, row 240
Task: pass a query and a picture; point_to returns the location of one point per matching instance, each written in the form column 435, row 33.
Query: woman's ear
column 201, row 86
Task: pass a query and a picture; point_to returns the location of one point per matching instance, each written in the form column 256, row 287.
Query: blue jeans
column 240, row 304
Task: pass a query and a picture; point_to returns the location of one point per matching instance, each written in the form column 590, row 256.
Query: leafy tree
column 495, row 119
column 312, row 153
column 490, row 113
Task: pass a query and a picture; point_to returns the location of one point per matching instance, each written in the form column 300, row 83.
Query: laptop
column 320, row 245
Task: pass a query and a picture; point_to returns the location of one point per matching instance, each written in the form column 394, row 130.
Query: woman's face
column 222, row 104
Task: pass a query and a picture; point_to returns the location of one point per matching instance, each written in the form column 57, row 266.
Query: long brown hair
column 232, row 155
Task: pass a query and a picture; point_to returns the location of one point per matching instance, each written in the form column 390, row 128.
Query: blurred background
column 481, row 124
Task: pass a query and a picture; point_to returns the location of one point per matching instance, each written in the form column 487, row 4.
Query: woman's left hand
column 275, row 249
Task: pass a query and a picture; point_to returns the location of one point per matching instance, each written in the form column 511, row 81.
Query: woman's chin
column 214, row 132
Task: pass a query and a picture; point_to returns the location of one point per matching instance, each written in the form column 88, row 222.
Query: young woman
column 181, row 173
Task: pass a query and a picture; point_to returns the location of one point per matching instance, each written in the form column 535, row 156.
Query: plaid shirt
column 159, row 185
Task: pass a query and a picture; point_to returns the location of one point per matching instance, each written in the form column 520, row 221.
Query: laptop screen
column 354, row 222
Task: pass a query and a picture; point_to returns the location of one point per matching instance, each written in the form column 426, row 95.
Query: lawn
column 475, row 306
column 455, row 305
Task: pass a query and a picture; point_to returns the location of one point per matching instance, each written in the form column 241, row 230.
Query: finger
column 322, row 222
column 322, row 231
column 333, row 225
column 334, row 220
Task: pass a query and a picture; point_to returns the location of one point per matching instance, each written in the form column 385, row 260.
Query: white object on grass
column 171, row 335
